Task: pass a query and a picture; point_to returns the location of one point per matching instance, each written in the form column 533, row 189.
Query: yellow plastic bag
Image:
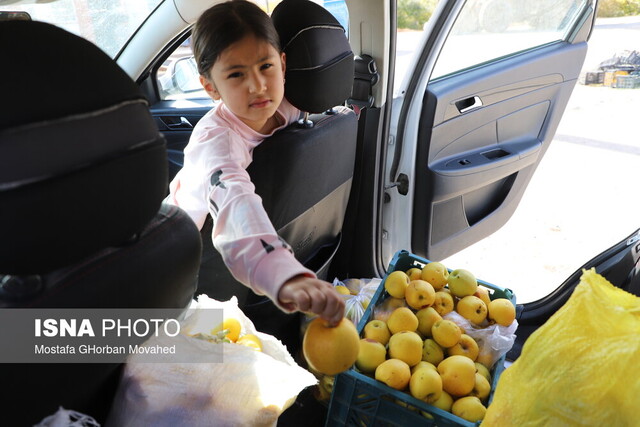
column 580, row 368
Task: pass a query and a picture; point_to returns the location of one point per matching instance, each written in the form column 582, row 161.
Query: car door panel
column 486, row 131
column 475, row 116
column 176, row 124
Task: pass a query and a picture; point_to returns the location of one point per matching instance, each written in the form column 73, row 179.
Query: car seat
column 83, row 172
column 303, row 173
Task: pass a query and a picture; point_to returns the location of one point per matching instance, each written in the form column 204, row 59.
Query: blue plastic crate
column 359, row 400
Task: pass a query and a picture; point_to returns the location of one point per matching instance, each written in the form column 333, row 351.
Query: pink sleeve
column 242, row 231
column 290, row 113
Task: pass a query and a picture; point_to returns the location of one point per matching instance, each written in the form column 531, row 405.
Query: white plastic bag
column 362, row 291
column 250, row 388
column 493, row 340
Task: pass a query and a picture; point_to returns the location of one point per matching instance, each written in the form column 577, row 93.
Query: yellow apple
column 342, row 290
column 426, row 318
column 383, row 310
column 330, row 349
column 462, row 283
column 419, row 294
column 466, row 346
column 444, row 402
column 422, row 364
column 481, row 388
column 394, row 372
column 425, row 384
column 436, row 274
column 485, row 358
column 443, row 303
column 402, row 319
column 484, row 371
column 406, row 346
column 377, row 330
column 483, row 294
column 502, row 311
column 472, row 308
column 469, row 408
column 396, row 283
column 446, row 333
column 458, row 375
column 414, row 273
column 432, row 352
column 371, row 354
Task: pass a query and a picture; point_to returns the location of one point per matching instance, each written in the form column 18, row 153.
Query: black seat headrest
column 320, row 64
column 82, row 164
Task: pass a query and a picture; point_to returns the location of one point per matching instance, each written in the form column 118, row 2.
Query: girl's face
column 249, row 78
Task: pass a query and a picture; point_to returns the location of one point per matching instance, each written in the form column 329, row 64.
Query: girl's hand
column 313, row 295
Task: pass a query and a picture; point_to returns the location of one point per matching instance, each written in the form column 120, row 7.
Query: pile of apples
column 412, row 348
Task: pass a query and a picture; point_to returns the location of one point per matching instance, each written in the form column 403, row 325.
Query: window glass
column 484, row 30
column 490, row 29
column 178, row 76
column 106, row 23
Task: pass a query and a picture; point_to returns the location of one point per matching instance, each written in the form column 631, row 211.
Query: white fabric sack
column 250, row 388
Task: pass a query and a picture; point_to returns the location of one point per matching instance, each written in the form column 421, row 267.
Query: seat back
column 302, row 173
column 83, row 171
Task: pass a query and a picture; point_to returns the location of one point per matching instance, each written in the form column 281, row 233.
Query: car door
column 474, row 117
column 179, row 99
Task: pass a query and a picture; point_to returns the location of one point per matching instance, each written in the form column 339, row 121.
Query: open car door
column 474, row 117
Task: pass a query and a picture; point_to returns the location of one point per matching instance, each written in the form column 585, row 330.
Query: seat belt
column 365, row 76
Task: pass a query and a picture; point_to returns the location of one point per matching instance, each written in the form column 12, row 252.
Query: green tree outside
column 412, row 14
column 616, row 8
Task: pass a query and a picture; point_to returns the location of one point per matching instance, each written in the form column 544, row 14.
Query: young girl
column 237, row 51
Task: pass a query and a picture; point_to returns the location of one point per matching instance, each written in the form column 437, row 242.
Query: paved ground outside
column 584, row 195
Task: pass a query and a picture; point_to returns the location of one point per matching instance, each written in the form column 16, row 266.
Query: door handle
column 469, row 104
column 173, row 123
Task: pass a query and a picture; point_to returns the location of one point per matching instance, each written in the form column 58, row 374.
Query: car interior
column 143, row 253
column 84, row 224
column 86, row 219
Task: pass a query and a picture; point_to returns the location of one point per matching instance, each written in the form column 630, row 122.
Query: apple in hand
column 462, row 283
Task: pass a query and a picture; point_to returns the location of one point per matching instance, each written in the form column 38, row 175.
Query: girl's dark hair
column 226, row 23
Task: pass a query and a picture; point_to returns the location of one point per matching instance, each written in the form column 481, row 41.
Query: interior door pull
column 182, row 124
column 469, row 104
